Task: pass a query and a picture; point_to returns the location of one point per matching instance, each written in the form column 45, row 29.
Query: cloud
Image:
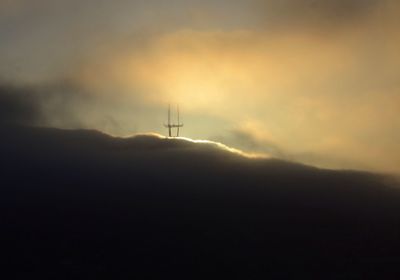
column 308, row 95
column 18, row 106
column 65, row 104
column 307, row 72
column 36, row 105
column 251, row 137
column 311, row 14
column 312, row 95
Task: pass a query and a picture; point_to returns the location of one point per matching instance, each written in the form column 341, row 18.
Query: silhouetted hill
column 82, row 204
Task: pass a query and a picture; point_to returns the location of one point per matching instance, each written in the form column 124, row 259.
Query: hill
column 79, row 203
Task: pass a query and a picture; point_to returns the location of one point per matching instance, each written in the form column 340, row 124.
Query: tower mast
column 169, row 120
column 170, row 125
column 178, row 126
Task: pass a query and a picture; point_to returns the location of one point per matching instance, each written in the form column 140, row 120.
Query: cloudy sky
column 311, row 81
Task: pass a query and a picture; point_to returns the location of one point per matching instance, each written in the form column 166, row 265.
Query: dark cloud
column 36, row 105
column 59, row 104
column 314, row 13
column 81, row 202
column 18, row 105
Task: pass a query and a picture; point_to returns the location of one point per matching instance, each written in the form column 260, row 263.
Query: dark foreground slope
column 80, row 204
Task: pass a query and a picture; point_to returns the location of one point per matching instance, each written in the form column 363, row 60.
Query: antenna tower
column 170, row 125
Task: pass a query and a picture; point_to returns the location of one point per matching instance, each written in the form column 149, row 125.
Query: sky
column 310, row 81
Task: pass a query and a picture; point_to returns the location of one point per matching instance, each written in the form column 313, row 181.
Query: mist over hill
column 81, row 203
column 298, row 101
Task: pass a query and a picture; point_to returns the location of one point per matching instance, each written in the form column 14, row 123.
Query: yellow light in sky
column 306, row 94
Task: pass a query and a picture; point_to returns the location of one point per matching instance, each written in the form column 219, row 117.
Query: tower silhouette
column 170, row 125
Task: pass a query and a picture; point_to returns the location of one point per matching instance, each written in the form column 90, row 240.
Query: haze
column 310, row 81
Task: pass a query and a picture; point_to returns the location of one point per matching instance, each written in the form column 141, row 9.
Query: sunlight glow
column 226, row 148
column 207, row 142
